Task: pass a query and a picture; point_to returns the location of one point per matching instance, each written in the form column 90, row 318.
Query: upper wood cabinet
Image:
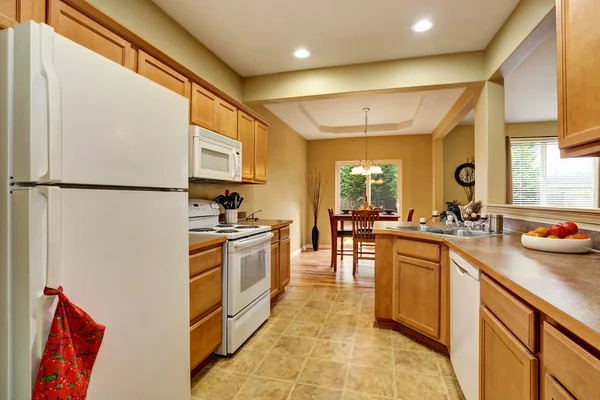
column 73, row 25
column 160, row 73
column 246, row 136
column 578, row 39
column 417, row 295
column 261, row 153
column 213, row 113
column 227, row 119
column 507, row 370
column 15, row 11
column 204, row 108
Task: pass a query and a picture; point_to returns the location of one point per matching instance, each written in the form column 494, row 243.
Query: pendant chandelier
column 366, row 166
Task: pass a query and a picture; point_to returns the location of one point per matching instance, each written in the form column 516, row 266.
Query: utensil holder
column 231, row 216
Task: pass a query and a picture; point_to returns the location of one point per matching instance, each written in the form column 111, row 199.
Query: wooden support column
column 490, row 157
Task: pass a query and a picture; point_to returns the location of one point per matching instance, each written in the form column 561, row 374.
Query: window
column 540, row 177
column 380, row 190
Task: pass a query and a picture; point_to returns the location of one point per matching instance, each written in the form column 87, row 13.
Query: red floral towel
column 70, row 353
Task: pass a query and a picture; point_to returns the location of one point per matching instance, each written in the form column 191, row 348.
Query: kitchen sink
column 452, row 232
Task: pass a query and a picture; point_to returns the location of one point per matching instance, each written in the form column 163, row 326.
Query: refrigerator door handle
column 54, row 236
column 54, row 110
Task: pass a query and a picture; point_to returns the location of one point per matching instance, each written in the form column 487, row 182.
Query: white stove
column 204, row 220
column 246, row 272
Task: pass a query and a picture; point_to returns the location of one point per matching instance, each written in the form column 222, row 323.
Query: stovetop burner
column 224, row 226
column 247, row 227
column 202, row 230
column 229, row 231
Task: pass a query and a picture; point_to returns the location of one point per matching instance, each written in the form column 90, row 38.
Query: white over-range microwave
column 214, row 157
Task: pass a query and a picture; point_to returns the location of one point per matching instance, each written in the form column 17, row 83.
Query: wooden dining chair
column 362, row 233
column 336, row 234
column 411, row 211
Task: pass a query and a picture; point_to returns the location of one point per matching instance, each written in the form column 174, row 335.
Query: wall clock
column 465, row 174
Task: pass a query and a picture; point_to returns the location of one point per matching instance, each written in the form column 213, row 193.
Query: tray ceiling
column 390, row 114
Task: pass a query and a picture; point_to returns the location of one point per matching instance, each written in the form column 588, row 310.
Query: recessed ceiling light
column 422, row 26
column 302, row 53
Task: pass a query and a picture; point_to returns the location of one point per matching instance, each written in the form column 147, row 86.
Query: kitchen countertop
column 199, row 242
column 565, row 287
column 273, row 223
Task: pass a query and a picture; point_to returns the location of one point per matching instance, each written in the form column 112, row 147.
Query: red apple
column 571, row 227
column 557, row 230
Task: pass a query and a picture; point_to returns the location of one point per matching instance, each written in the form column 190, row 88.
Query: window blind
column 541, row 177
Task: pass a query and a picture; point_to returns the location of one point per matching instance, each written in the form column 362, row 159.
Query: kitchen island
column 540, row 312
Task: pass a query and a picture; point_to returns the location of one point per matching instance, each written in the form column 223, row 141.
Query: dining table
column 340, row 219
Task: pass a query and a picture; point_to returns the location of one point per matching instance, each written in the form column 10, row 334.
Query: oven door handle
column 252, row 242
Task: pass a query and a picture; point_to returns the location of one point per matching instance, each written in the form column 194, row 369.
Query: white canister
column 231, row 216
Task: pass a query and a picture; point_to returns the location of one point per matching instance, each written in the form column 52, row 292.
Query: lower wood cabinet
column 284, row 262
column 280, row 260
column 205, row 337
column 508, row 370
column 416, row 295
column 81, row 29
column 205, row 302
column 274, row 269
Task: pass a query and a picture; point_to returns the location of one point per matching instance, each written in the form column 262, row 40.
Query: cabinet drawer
column 554, row 390
column 516, row 315
column 575, row 368
column 205, row 337
column 284, row 233
column 205, row 260
column 205, row 293
column 419, row 250
column 275, row 237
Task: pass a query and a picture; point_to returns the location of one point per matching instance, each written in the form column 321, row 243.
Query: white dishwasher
column 464, row 324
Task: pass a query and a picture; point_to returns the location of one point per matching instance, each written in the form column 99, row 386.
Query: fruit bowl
column 572, row 246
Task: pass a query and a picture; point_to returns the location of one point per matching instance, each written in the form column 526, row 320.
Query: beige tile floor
column 321, row 344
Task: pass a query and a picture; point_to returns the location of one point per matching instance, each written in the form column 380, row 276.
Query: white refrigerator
column 93, row 179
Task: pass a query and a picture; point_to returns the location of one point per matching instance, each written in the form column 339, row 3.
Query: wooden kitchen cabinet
column 203, row 110
column 578, row 80
column 227, row 119
column 206, row 294
column 553, row 390
column 213, row 113
column 507, row 369
column 15, row 11
column 246, row 137
column 81, row 29
column 417, row 295
column 260, row 157
column 274, row 269
column 284, row 262
column 280, row 260
column 162, row 74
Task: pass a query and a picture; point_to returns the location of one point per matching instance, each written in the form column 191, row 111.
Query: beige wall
column 148, row 21
column 459, row 144
column 532, row 129
column 413, row 150
column 284, row 195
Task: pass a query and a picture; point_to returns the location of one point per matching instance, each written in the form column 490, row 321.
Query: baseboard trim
column 308, row 247
column 297, row 252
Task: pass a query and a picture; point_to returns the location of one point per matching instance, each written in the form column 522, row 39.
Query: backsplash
column 520, row 225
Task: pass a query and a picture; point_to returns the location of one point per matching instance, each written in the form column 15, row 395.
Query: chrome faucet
column 251, row 217
column 454, row 217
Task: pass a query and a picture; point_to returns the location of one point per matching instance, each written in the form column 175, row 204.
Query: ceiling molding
column 461, row 108
column 354, row 129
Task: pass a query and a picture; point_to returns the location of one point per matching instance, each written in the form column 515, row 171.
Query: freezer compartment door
column 83, row 119
column 122, row 256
